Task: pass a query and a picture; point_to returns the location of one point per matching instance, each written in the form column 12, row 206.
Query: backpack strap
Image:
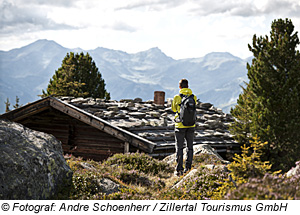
column 181, row 95
column 184, row 96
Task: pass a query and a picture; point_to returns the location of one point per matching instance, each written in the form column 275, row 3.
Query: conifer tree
column 269, row 106
column 7, row 105
column 78, row 76
column 17, row 105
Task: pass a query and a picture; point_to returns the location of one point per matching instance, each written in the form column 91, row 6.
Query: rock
column 213, row 123
column 198, row 149
column 207, row 149
column 139, row 115
column 99, row 114
column 79, row 100
column 185, row 178
column 113, row 108
column 130, row 104
column 200, row 111
column 121, row 115
column 221, row 167
column 137, row 100
column 143, row 109
column 91, row 102
column 169, row 110
column 32, row 165
column 169, row 102
column 66, row 98
column 105, row 185
column 126, row 100
column 154, row 114
column 87, row 166
column 201, row 126
column 98, row 100
column 294, row 171
column 110, row 114
column 193, row 172
column 205, row 105
column 156, row 122
column 108, row 186
column 100, row 103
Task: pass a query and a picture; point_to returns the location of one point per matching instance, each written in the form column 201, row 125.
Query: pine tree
column 269, row 106
column 17, row 105
column 7, row 105
column 78, row 76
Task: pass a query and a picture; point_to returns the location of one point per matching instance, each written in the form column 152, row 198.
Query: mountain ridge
column 214, row 78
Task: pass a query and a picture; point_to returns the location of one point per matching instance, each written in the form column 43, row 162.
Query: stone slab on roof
column 156, row 122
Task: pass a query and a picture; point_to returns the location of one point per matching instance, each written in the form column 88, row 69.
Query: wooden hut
column 96, row 129
column 82, row 134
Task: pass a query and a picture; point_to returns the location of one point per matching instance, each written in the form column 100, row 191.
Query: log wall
column 77, row 137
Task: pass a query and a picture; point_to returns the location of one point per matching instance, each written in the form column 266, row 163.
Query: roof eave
column 77, row 113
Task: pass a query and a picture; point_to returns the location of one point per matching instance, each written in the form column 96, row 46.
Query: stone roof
column 156, row 122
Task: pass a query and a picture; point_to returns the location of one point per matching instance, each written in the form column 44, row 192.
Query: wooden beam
column 103, row 125
column 126, row 147
column 27, row 110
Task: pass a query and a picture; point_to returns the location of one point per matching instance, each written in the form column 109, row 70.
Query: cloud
column 245, row 8
column 291, row 8
column 57, row 3
column 15, row 18
column 156, row 5
column 121, row 26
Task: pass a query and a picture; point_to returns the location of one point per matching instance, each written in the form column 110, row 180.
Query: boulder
column 294, row 171
column 108, row 186
column 201, row 148
column 185, row 178
column 105, row 185
column 32, row 165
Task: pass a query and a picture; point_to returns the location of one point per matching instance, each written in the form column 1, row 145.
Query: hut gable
column 95, row 128
column 80, row 132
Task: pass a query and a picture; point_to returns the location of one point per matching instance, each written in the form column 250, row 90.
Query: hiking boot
column 186, row 170
column 178, row 173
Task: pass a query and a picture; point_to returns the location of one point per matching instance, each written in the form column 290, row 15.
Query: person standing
column 184, row 125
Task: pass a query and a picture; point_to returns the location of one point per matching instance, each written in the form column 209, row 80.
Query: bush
column 201, row 186
column 141, row 163
column 85, row 185
column 270, row 187
column 249, row 164
column 245, row 166
column 133, row 177
column 139, row 177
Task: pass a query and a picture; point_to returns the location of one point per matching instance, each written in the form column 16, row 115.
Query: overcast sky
column 180, row 28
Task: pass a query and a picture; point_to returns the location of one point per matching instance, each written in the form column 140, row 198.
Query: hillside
column 138, row 176
column 214, row 78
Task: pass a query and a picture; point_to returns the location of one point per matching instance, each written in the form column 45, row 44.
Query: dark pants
column 182, row 134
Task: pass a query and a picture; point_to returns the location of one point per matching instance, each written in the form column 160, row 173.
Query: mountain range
column 215, row 78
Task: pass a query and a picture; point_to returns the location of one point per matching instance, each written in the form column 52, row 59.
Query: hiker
column 184, row 125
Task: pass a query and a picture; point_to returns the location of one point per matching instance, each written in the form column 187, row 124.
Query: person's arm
column 175, row 104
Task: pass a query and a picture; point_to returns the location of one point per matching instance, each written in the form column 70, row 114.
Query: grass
column 141, row 177
column 138, row 175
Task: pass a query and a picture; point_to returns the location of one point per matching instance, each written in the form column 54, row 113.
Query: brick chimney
column 159, row 98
